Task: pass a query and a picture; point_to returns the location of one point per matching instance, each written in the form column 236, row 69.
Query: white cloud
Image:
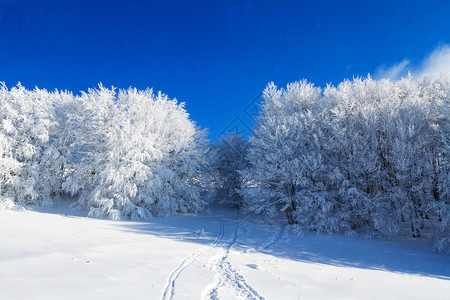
column 436, row 63
column 396, row 71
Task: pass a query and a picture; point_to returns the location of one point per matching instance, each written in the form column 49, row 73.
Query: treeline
column 365, row 156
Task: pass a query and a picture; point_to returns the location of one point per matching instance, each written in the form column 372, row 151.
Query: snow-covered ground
column 55, row 254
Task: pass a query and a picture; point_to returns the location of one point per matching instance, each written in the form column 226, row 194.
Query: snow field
column 55, row 256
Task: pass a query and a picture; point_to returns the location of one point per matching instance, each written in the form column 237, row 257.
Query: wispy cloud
column 396, row 71
column 436, row 63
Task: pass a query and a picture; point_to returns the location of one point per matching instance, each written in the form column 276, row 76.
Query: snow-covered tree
column 438, row 93
column 381, row 129
column 283, row 136
column 136, row 154
column 363, row 156
column 229, row 161
column 27, row 154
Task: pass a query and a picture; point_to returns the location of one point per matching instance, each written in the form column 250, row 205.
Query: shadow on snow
column 256, row 235
column 281, row 242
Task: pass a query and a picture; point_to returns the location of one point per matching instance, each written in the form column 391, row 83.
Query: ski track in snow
column 274, row 238
column 170, row 286
column 226, row 275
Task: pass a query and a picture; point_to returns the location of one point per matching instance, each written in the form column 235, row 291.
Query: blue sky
column 215, row 56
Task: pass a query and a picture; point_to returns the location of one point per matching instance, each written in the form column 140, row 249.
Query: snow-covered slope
column 54, row 254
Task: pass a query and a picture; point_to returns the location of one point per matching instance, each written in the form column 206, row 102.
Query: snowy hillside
column 54, row 254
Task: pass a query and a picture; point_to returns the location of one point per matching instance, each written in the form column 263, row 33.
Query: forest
column 363, row 157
